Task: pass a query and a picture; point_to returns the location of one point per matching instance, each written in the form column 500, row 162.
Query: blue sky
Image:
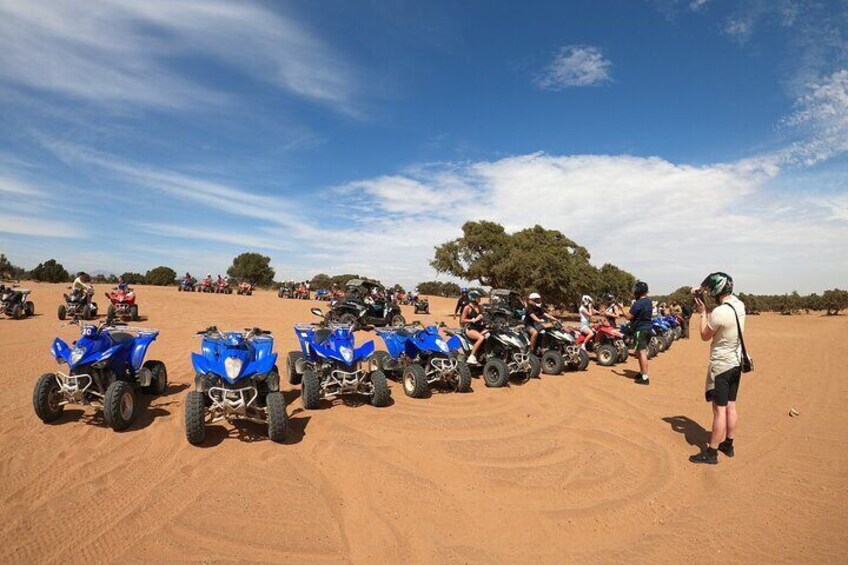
column 671, row 137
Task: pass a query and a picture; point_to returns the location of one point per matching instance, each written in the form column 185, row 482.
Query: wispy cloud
column 822, row 116
column 118, row 52
column 575, row 65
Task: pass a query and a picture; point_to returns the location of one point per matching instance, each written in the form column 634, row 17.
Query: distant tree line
column 832, row 302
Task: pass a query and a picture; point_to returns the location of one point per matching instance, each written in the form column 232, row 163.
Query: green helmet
column 718, row 284
column 473, row 295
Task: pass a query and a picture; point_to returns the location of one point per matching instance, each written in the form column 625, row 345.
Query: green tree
column 50, row 271
column 133, row 278
column 616, row 281
column 813, row 302
column 834, row 301
column 439, row 288
column 253, row 267
column 342, row 280
column 161, row 276
column 398, row 289
column 321, row 280
column 533, row 259
column 9, row 271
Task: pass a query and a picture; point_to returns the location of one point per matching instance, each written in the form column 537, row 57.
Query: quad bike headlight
column 232, row 365
column 77, row 354
column 347, row 354
column 442, row 345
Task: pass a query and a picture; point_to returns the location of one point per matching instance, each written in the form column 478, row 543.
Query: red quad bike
column 123, row 305
column 607, row 344
column 223, row 287
column 300, row 293
column 245, row 288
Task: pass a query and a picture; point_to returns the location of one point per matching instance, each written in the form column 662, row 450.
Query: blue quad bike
column 662, row 331
column 329, row 365
column 106, row 368
column 420, row 358
column 674, row 324
column 630, row 339
column 236, row 378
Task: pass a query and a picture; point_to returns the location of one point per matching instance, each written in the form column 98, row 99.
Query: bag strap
column 739, row 330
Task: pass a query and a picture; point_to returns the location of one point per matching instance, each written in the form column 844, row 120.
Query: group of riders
column 537, row 318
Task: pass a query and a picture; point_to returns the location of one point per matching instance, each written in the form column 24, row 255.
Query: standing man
column 725, row 369
column 461, row 303
column 640, row 319
column 685, row 313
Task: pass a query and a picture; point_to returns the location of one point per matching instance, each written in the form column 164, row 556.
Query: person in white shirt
column 587, row 310
column 725, row 369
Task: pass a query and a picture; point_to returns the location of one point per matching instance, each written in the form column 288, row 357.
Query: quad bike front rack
column 74, row 388
column 229, row 403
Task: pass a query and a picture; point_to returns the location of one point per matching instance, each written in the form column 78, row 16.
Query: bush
column 321, row 281
column 50, row 271
column 134, row 278
column 161, row 276
column 254, row 268
column 438, row 288
column 9, row 271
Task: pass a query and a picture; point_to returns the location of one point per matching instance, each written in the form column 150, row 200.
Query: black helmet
column 609, row 297
column 640, row 288
column 718, row 284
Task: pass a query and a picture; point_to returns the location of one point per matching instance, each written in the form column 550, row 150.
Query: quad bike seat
column 120, row 337
column 322, row 335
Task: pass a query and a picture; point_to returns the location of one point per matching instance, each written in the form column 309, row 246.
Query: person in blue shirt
column 640, row 320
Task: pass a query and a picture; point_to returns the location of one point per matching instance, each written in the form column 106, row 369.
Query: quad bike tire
column 662, row 345
column 278, row 420
column 110, row 314
column 29, row 308
column 584, row 360
column 606, row 355
column 179, row 288
column 415, row 381
column 398, row 320
column 380, row 361
column 195, row 417
column 653, row 348
column 463, row 377
column 310, row 390
column 46, row 397
column 86, row 312
column 159, row 378
column 553, row 363
column 17, row 312
column 291, row 367
column 495, row 373
column 134, row 313
column 535, row 367
column 63, row 312
column 623, row 354
column 120, row 406
column 381, row 395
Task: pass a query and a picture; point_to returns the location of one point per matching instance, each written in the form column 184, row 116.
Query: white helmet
column 587, row 300
column 534, row 296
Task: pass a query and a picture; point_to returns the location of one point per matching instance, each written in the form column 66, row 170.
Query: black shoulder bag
column 747, row 362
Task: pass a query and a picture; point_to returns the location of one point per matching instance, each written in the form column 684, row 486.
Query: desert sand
column 578, row 468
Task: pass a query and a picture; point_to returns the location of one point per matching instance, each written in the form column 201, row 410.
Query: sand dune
column 576, row 468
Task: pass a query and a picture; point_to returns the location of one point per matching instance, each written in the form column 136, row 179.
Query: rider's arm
column 465, row 319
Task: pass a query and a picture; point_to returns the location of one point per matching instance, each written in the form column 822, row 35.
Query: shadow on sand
column 692, row 431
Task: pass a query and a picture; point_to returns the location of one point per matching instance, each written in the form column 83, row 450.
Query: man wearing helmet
column 587, row 310
column 640, row 319
column 535, row 317
column 722, row 326
column 462, row 302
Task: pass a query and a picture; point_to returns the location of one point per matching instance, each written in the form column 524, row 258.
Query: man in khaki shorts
column 725, row 368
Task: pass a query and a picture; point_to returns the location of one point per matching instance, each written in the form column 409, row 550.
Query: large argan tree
column 252, row 267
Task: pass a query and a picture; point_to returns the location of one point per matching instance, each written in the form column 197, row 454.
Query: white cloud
column 114, row 51
column 26, row 224
column 822, row 117
column 576, row 65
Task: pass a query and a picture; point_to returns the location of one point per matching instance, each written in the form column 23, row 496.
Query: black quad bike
column 505, row 354
column 422, row 306
column 78, row 305
column 558, row 350
column 14, row 303
column 360, row 308
column 505, row 307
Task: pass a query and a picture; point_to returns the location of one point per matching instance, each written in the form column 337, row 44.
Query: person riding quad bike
column 78, row 303
column 535, row 318
column 14, row 303
column 506, row 307
column 365, row 304
column 123, row 303
column 187, row 283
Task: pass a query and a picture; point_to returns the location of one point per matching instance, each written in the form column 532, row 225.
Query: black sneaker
column 705, row 457
column 641, row 381
column 726, row 448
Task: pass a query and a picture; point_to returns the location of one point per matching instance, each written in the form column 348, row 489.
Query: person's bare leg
column 643, row 361
column 719, row 431
column 731, row 419
column 534, row 333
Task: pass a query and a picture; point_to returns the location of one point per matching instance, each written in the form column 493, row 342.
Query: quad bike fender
column 103, row 356
column 364, row 351
column 60, row 350
column 454, row 343
column 261, row 366
column 201, row 364
column 431, row 342
column 139, row 350
column 395, row 344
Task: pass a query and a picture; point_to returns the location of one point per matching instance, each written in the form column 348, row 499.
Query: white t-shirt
column 725, row 349
column 584, row 317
